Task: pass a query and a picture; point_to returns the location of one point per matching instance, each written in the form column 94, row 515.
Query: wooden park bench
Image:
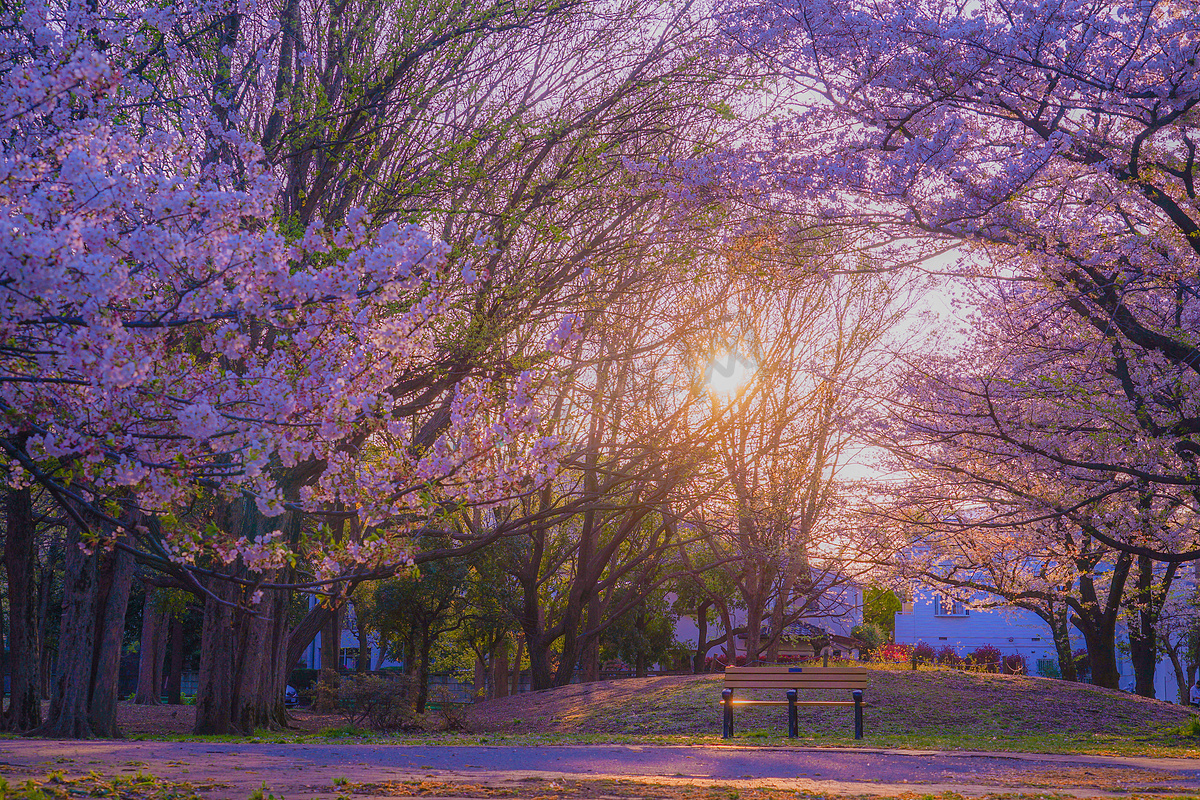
column 791, row 679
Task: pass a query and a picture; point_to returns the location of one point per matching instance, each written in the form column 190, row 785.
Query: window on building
column 349, row 657
column 949, row 607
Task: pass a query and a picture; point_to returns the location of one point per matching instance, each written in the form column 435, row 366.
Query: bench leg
column 858, row 725
column 793, row 720
column 727, row 714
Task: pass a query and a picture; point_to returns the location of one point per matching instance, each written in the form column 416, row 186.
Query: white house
column 936, row 620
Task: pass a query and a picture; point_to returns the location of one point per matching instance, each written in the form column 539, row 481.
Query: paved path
column 299, row 772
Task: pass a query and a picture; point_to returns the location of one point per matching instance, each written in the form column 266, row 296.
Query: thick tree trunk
column 1143, row 639
column 175, row 674
column 214, row 691
column 20, row 559
column 244, row 656
column 50, row 571
column 261, row 675
column 155, row 624
column 1096, row 618
column 110, row 634
column 1102, row 654
column 540, row 675
column 68, row 714
column 84, row 617
column 500, row 670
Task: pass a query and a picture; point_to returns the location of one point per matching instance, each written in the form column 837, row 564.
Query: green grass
column 926, row 709
column 57, row 786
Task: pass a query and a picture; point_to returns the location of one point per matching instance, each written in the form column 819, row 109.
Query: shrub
column 893, row 653
column 450, row 714
column 1048, row 668
column 788, row 658
column 1014, row 664
column 984, row 658
column 923, row 653
column 870, row 635
column 947, row 656
column 326, row 699
column 379, row 703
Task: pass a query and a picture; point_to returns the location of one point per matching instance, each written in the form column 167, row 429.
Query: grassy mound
column 920, row 709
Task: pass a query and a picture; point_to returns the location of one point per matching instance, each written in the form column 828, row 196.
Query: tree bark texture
column 24, row 710
column 113, row 595
column 175, row 674
column 155, row 623
column 95, row 597
column 214, row 690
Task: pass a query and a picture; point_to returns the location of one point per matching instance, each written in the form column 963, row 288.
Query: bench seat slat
column 776, row 669
column 792, row 685
column 794, row 679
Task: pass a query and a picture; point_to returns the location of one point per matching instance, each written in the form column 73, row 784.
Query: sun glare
column 729, row 373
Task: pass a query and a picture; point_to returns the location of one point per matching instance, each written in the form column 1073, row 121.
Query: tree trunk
column 1096, row 618
column 175, row 675
column 20, row 559
column 589, row 651
column 500, row 670
column 516, row 675
column 214, row 690
column 423, row 669
column 331, row 641
column 110, row 634
column 1102, row 653
column 540, row 675
column 85, row 618
column 1182, row 684
column 260, row 672
column 45, row 590
column 1143, row 640
column 1061, row 632
column 701, row 636
column 754, row 615
column 68, row 714
column 479, row 681
column 155, row 624
column 639, row 662
column 305, row 631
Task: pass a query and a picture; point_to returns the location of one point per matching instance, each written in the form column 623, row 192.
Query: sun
column 728, row 373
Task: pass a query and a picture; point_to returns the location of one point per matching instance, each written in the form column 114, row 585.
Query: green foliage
column 880, row 606
column 647, row 630
column 1190, row 728
column 870, row 634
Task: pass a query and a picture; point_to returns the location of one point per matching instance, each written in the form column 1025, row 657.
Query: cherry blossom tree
column 1057, row 142
column 999, row 436
column 165, row 339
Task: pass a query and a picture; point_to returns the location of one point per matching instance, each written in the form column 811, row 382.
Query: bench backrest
column 795, row 677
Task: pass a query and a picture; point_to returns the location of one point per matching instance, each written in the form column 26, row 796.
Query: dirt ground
column 538, row 712
column 135, row 721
